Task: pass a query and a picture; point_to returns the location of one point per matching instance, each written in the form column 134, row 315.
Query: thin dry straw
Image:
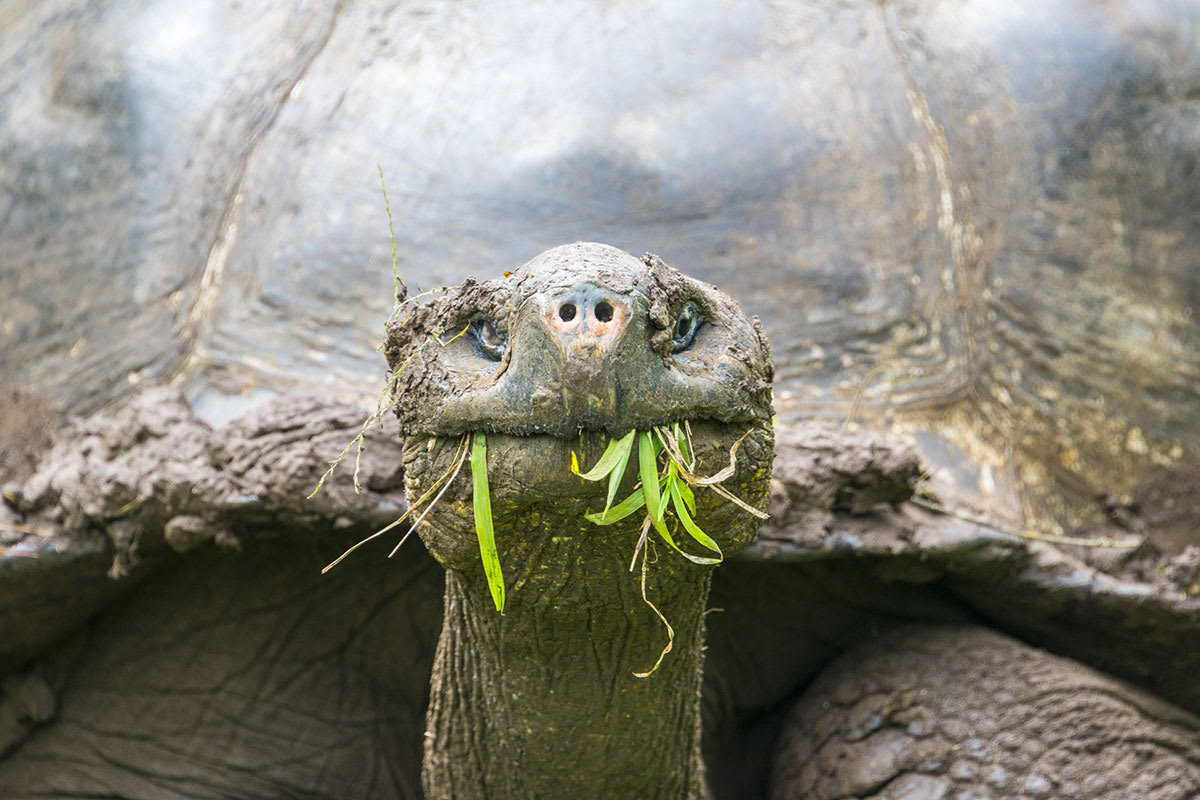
column 462, row 457
column 440, row 484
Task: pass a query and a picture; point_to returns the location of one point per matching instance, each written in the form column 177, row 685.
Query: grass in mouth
column 662, row 489
column 481, row 500
column 484, row 532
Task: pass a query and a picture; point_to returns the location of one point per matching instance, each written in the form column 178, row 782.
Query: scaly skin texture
column 948, row 712
column 543, row 700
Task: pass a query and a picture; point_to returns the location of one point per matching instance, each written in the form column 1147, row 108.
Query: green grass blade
column 679, row 484
column 617, row 453
column 625, row 445
column 648, row 470
column 688, row 523
column 483, row 520
column 618, row 512
column 666, row 537
column 689, row 496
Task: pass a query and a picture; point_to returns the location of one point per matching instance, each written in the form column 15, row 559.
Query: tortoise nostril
column 604, row 311
column 566, row 312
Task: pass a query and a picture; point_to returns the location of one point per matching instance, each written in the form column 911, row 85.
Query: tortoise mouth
column 631, row 388
column 535, row 467
column 540, row 493
column 583, row 428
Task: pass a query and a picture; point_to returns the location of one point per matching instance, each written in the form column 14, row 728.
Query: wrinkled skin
column 982, row 216
column 1007, row 721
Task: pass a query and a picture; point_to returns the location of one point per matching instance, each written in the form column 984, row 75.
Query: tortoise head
column 584, row 337
column 582, row 344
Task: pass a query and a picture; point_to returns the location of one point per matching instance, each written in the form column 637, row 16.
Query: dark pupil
column 684, row 326
column 490, row 340
column 488, row 334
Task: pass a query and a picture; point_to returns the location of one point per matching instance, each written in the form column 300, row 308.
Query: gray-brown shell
column 984, row 221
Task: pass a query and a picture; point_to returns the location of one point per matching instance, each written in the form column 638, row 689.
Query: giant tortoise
column 968, row 230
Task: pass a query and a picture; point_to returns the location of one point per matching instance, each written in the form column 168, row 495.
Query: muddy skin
column 543, row 699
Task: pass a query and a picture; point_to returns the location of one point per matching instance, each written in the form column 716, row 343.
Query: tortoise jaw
column 587, row 422
column 540, row 473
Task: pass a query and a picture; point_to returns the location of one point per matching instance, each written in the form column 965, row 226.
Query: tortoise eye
column 492, row 343
column 686, row 324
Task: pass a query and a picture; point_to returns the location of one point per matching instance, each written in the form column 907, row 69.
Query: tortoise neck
column 543, row 701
